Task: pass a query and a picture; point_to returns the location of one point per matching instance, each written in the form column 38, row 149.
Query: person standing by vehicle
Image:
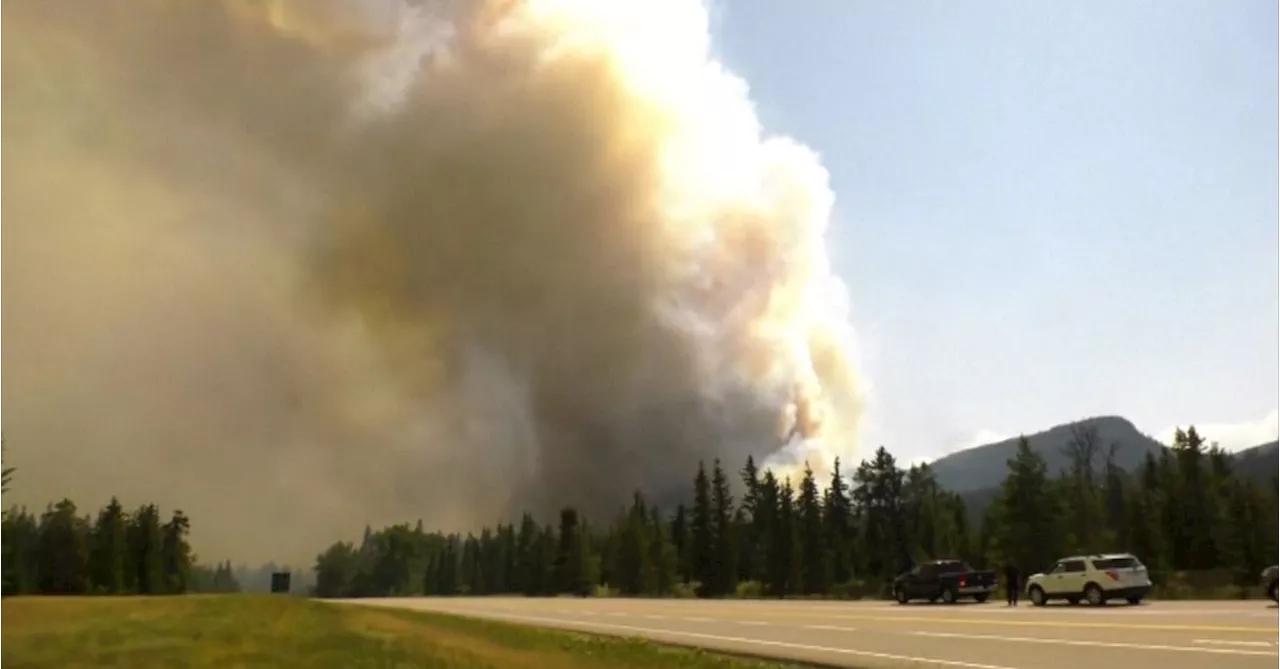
column 1012, row 583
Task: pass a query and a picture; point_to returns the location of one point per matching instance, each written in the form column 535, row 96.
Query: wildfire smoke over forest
column 298, row 266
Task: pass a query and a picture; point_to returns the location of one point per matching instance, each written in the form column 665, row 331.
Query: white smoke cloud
column 296, row 266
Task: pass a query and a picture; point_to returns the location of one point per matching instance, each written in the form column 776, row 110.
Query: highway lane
column 1157, row 635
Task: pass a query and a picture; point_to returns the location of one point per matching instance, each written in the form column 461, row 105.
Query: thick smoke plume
column 298, row 266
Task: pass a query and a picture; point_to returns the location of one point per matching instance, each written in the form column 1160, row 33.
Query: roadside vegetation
column 266, row 632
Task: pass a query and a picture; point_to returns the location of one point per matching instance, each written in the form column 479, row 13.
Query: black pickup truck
column 948, row 580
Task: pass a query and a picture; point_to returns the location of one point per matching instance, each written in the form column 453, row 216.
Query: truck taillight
column 962, row 582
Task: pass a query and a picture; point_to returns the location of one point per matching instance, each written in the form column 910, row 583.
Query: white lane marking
column 1095, row 644
column 655, row 617
column 756, row 642
column 755, row 623
column 696, row 619
column 1233, row 642
column 831, row 628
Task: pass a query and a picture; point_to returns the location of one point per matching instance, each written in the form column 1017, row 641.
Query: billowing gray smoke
column 301, row 266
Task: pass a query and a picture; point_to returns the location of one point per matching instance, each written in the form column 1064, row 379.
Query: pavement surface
column 1156, row 635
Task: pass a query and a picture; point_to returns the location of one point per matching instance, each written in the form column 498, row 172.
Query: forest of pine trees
column 743, row 533
column 1185, row 511
column 115, row 552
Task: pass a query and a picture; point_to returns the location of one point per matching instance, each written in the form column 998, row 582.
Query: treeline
column 1183, row 510
column 1186, row 510
column 115, row 552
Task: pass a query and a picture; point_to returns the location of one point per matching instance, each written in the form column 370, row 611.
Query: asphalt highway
column 1156, row 635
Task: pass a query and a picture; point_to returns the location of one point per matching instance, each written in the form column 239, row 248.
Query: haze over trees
column 114, row 551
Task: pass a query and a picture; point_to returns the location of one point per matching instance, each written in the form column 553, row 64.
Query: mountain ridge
column 984, row 466
column 977, row 473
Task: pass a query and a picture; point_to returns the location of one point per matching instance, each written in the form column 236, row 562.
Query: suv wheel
column 1037, row 596
column 1094, row 595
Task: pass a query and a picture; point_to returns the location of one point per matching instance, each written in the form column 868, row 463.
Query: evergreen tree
column 724, row 548
column 681, row 543
column 878, row 494
column 661, row 559
column 108, row 554
column 703, row 540
column 570, row 562
column 336, row 570
column 63, row 553
column 469, row 577
column 144, row 571
column 813, row 550
column 547, row 560
column 21, row 553
column 788, row 576
column 747, row 523
column 175, row 554
column 838, row 525
column 632, row 543
column 1030, row 531
column 527, row 561
column 447, row 568
column 1146, row 513
column 224, row 579
column 775, row 551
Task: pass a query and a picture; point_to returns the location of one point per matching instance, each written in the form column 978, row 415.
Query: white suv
column 1093, row 578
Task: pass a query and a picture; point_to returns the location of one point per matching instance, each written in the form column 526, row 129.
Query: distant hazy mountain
column 1259, row 463
column 983, row 467
column 977, row 473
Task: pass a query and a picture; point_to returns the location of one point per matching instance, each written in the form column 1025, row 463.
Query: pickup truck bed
column 946, row 580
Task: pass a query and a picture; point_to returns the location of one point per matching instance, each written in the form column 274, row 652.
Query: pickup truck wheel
column 1271, row 592
column 1037, row 596
column 949, row 596
column 900, row 595
column 1093, row 594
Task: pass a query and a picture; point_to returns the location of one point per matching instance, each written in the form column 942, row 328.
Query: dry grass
column 265, row 632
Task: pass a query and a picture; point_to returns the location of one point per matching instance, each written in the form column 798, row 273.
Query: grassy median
column 264, row 632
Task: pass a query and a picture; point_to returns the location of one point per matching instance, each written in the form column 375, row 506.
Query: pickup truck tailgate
column 976, row 580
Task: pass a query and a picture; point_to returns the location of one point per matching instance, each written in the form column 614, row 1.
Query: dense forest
column 1183, row 510
column 114, row 552
column 741, row 533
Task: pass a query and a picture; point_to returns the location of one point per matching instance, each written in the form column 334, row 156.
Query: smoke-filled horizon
column 298, row 266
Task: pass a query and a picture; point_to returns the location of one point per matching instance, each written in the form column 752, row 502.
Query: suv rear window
column 1116, row 563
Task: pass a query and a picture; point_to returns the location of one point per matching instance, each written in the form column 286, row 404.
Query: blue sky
column 1045, row 210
